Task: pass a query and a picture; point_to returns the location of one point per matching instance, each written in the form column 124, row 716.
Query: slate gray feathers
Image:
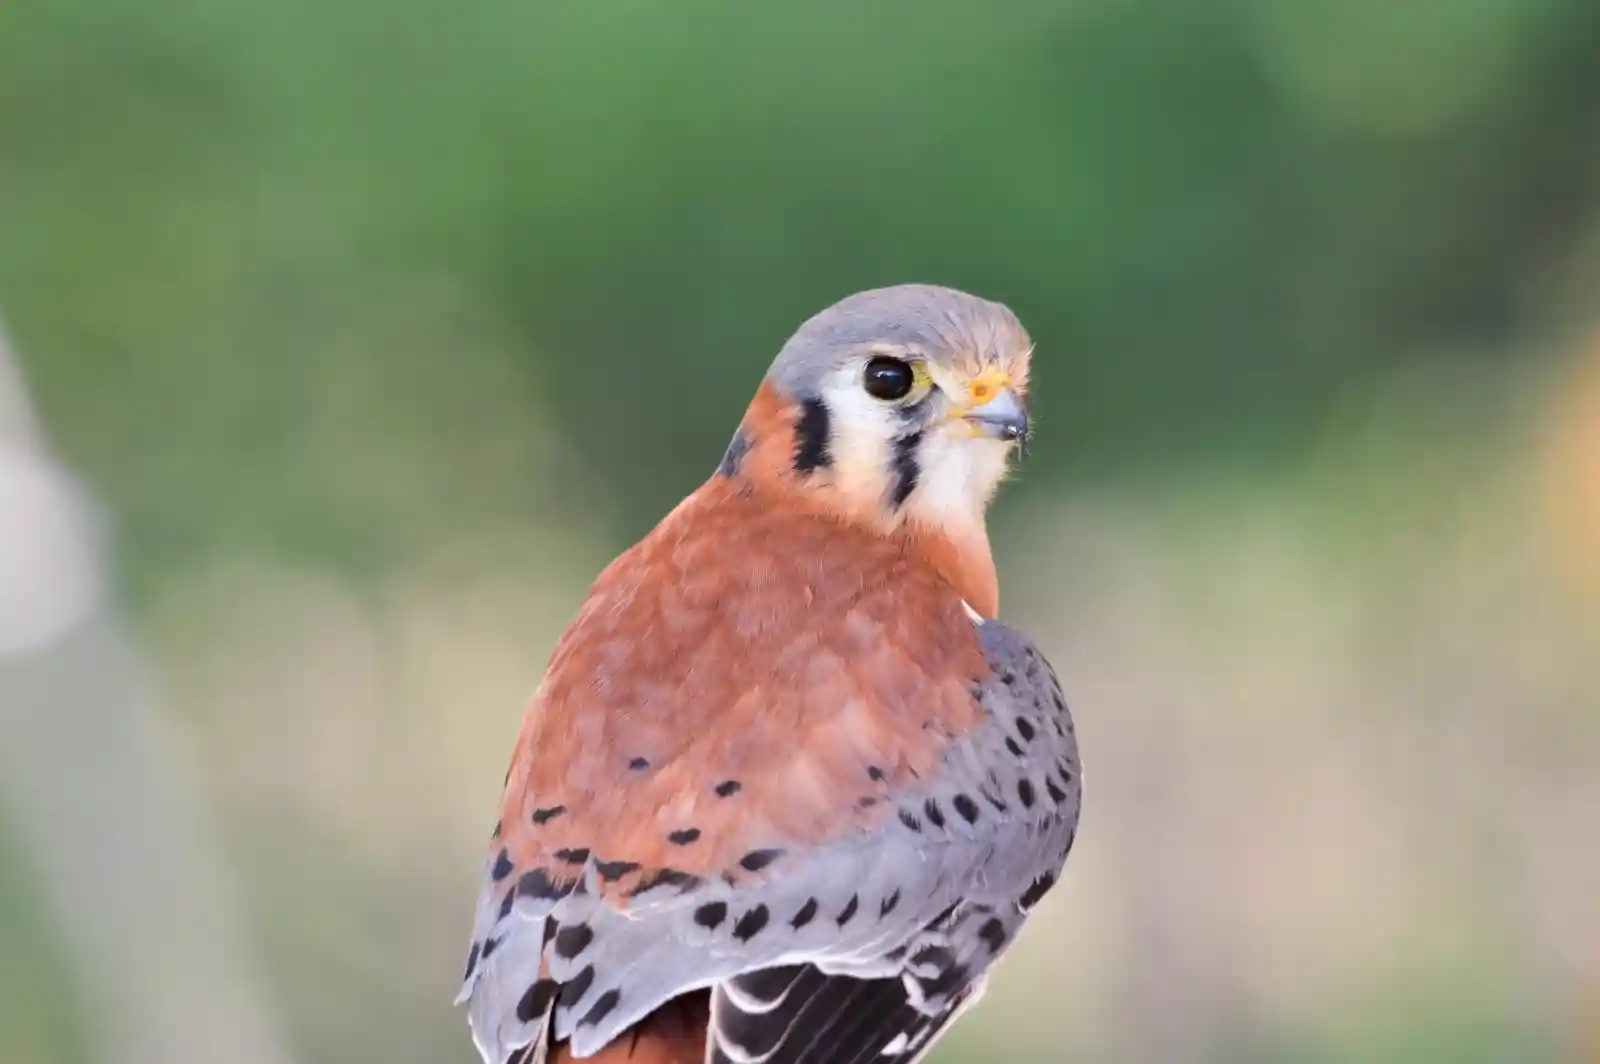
column 864, row 949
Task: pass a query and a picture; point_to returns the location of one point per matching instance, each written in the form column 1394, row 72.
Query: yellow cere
column 986, row 385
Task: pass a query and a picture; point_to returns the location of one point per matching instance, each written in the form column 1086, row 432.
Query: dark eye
column 889, row 378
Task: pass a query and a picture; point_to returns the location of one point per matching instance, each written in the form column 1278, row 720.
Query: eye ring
column 889, row 379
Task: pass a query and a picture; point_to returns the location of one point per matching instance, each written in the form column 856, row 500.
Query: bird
column 788, row 788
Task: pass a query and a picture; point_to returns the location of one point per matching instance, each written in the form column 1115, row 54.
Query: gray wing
column 863, row 950
column 994, row 828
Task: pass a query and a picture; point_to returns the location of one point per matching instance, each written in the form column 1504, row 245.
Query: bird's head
column 898, row 407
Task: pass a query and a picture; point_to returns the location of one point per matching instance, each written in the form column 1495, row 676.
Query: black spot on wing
column 849, row 911
column 1036, row 891
column 573, row 991
column 756, row 860
column 601, row 1007
column 993, row 933
column 665, row 877
column 537, row 884
column 535, row 1001
column 750, row 924
column 807, row 913
column 573, row 940
column 544, row 816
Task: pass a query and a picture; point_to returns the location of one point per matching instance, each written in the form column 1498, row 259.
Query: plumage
column 787, row 789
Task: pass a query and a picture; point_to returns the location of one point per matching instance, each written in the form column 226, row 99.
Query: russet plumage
column 787, row 789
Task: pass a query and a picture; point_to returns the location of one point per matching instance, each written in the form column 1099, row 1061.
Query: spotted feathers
column 894, row 922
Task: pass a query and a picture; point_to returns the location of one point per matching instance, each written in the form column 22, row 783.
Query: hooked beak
column 994, row 409
column 1003, row 417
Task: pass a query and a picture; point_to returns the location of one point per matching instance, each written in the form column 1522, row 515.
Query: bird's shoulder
column 747, row 676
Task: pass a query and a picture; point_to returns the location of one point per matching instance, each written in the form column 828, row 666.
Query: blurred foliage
column 237, row 237
column 368, row 288
column 38, row 1009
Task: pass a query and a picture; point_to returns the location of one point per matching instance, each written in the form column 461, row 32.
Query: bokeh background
column 350, row 338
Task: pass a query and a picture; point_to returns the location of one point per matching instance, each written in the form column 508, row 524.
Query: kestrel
column 788, row 789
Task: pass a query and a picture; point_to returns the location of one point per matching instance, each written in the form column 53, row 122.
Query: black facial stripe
column 905, row 468
column 811, row 437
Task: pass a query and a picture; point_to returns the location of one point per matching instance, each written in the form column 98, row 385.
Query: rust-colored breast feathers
column 751, row 679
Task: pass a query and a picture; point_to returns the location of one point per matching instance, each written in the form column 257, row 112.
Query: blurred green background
column 376, row 328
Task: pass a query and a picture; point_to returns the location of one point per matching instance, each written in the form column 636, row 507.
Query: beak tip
column 994, row 408
column 1002, row 418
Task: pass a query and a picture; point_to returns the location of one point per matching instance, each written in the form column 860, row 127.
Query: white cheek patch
column 862, row 433
column 957, row 473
